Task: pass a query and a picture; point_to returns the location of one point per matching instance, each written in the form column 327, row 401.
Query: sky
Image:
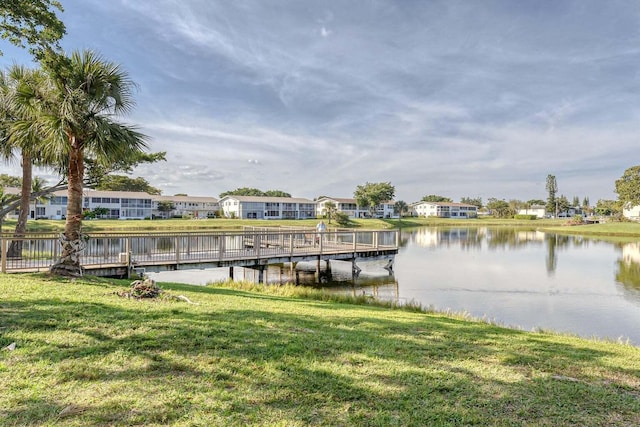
column 474, row 98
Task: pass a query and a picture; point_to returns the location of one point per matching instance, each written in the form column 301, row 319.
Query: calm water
column 523, row 279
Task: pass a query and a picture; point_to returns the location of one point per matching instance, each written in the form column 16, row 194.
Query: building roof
column 120, row 194
column 337, row 199
column 452, row 204
column 203, row 199
column 265, row 199
column 16, row 191
column 341, row 200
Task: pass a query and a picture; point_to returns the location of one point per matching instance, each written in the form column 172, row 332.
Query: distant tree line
column 246, row 191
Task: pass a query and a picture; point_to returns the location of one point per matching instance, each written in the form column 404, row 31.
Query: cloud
column 439, row 97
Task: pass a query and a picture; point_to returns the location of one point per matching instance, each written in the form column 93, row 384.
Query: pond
column 518, row 278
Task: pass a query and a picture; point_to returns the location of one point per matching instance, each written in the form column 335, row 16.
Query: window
column 58, row 200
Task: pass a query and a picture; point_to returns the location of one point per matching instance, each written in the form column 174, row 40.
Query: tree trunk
column 71, row 240
column 15, row 248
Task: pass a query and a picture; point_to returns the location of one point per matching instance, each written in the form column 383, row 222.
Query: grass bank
column 611, row 229
column 85, row 356
column 229, row 224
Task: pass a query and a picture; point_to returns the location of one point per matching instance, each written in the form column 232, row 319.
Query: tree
column 500, row 208
column 330, row 210
column 436, row 198
column 516, row 205
column 244, row 191
column 628, row 186
column 562, row 203
column 13, row 83
column 96, row 172
column 576, row 202
column 552, row 189
column 4, row 198
column 535, row 202
column 95, row 213
column 400, row 207
column 608, row 207
column 79, row 120
column 475, row 201
column 166, row 206
column 370, row 195
column 124, row 183
column 276, row 193
column 342, row 219
column 33, row 22
column 586, row 207
column 10, row 181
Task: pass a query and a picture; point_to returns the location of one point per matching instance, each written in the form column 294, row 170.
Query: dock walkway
column 120, row 254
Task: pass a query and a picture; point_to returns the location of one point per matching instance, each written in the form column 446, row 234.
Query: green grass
column 620, row 229
column 228, row 224
column 85, row 356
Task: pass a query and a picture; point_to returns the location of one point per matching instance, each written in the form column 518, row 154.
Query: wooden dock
column 126, row 255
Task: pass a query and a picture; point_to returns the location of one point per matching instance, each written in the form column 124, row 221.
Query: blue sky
column 458, row 98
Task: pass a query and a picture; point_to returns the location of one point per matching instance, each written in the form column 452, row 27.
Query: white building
column 350, row 207
column 631, row 212
column 445, row 210
column 51, row 206
column 186, row 206
column 119, row 204
column 258, row 207
column 538, row 210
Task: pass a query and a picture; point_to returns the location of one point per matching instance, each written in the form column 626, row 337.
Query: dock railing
column 104, row 250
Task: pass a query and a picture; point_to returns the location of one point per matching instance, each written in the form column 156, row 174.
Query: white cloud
column 453, row 98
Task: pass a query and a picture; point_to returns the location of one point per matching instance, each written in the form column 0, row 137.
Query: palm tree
column 400, row 207
column 79, row 120
column 38, row 185
column 330, row 210
column 15, row 82
column 4, row 198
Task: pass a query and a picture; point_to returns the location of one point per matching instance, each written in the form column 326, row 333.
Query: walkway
column 118, row 254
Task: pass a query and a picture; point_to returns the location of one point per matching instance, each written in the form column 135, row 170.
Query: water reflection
column 518, row 277
column 628, row 273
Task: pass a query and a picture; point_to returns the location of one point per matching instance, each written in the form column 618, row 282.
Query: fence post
column 127, row 250
column 3, row 262
column 375, row 239
column 354, row 240
column 291, row 244
column 177, row 250
column 221, row 238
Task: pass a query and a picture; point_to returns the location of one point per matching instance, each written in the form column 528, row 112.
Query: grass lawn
column 621, row 229
column 86, row 356
column 228, row 224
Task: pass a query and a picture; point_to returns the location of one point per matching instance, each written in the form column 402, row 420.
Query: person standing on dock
column 320, row 228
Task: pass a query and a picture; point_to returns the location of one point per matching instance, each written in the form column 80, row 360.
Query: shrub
column 525, row 217
column 341, row 218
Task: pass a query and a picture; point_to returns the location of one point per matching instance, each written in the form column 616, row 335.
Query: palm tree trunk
column 71, row 240
column 15, row 248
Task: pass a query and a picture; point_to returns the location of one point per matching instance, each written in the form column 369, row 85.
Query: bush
column 341, row 218
column 525, row 217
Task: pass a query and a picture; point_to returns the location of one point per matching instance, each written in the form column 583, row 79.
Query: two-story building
column 350, row 208
column 259, row 207
column 445, row 210
column 185, row 206
column 119, row 204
